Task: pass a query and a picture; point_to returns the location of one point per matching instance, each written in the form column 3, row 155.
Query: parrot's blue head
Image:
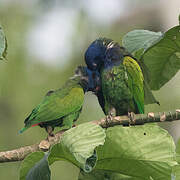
column 113, row 56
column 94, row 55
column 90, row 80
column 104, row 52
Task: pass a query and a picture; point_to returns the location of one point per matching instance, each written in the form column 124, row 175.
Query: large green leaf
column 178, row 151
column 176, row 173
column 139, row 151
column 176, row 169
column 163, row 59
column 140, row 39
column 104, row 175
column 158, row 54
column 78, row 146
column 3, row 45
column 35, row 167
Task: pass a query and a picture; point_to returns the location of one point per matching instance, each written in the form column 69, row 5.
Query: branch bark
column 135, row 119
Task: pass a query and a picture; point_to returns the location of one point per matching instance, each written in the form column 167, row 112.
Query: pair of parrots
column 111, row 73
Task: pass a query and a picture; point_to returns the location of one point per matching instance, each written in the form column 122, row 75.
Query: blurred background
column 47, row 40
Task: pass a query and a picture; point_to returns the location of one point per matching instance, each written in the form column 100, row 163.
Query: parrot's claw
column 49, row 130
column 131, row 116
column 108, row 119
column 110, row 116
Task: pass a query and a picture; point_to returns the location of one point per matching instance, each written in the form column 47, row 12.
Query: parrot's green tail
column 141, row 108
column 23, row 129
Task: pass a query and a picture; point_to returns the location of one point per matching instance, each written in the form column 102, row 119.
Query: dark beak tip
column 97, row 88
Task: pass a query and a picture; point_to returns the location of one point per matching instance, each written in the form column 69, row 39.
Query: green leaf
column 35, row 166
column 104, row 175
column 139, row 151
column 163, row 59
column 148, row 95
column 160, row 54
column 78, row 144
column 176, row 173
column 178, row 151
column 140, row 39
column 3, row 45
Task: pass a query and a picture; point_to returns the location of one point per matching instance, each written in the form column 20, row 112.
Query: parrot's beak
column 97, row 89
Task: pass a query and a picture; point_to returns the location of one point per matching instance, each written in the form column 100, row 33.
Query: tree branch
column 20, row 153
column 138, row 119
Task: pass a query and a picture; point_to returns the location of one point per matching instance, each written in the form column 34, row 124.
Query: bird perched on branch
column 63, row 106
column 122, row 83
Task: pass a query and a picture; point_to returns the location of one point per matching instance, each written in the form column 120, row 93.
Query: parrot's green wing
column 135, row 81
column 57, row 104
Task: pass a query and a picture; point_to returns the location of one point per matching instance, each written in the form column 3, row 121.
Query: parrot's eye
column 94, row 65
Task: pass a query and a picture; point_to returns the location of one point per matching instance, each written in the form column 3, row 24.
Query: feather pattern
column 135, row 81
column 57, row 106
column 122, row 82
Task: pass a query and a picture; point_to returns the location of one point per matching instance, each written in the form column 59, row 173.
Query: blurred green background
column 47, row 40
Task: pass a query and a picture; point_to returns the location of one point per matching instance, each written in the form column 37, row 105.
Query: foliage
column 76, row 146
column 140, row 39
column 160, row 54
column 104, row 175
column 35, row 166
column 127, row 150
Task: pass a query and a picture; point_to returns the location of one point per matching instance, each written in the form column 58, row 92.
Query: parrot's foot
column 108, row 120
column 131, row 116
column 110, row 116
column 49, row 130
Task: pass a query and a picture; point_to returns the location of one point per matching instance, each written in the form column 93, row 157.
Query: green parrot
column 123, row 88
column 63, row 106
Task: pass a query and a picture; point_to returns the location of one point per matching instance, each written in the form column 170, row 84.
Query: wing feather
column 56, row 105
column 135, row 81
